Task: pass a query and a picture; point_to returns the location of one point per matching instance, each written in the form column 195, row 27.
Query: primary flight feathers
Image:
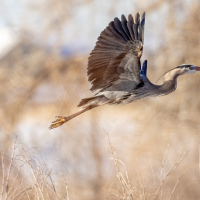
column 114, row 43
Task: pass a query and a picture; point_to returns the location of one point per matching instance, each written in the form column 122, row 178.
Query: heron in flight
column 115, row 72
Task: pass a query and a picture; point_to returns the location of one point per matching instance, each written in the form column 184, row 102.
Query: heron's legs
column 61, row 120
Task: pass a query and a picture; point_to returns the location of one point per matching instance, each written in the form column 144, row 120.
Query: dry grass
column 25, row 175
column 136, row 188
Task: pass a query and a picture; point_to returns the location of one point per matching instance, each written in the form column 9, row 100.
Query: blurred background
column 44, row 47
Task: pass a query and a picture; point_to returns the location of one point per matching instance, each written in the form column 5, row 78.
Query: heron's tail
column 61, row 120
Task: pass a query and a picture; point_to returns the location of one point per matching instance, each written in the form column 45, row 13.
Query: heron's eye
column 190, row 67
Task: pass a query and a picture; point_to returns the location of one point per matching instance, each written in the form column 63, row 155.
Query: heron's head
column 187, row 69
column 181, row 70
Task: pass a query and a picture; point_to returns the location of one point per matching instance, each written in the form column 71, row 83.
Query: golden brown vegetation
column 37, row 83
column 27, row 175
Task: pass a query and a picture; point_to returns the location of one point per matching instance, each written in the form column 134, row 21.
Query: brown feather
column 114, row 43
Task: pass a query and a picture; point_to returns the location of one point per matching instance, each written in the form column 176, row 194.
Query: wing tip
column 136, row 24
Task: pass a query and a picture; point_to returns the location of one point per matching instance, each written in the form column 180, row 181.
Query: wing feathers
column 124, row 25
column 115, row 31
column 111, row 39
column 142, row 23
column 118, row 25
column 137, row 18
column 136, row 25
column 117, row 45
column 108, row 44
column 112, row 70
column 135, row 28
column 130, row 26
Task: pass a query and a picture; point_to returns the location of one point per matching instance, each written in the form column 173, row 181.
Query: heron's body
column 130, row 94
column 115, row 72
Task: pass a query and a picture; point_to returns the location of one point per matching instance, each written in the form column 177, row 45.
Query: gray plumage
column 115, row 72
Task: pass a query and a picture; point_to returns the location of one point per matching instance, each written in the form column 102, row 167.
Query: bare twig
column 154, row 180
column 24, row 188
column 3, row 175
column 124, row 180
column 23, row 191
column 178, row 182
column 164, row 163
column 10, row 166
column 33, row 173
column 175, row 165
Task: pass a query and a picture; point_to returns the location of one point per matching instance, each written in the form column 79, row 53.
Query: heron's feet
column 59, row 121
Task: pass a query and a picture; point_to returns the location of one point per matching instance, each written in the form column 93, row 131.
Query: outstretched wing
column 117, row 53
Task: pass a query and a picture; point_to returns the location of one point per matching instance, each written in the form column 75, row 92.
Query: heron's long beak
column 196, row 68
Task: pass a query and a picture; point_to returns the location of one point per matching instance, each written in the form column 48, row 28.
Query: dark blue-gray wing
column 117, row 53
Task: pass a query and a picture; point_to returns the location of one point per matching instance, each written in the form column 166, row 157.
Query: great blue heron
column 115, row 71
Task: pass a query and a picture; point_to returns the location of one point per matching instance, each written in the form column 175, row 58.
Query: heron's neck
column 172, row 75
column 170, row 82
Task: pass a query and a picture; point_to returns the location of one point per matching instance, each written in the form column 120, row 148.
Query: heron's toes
column 58, row 122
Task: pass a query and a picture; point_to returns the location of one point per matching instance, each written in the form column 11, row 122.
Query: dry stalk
column 10, row 166
column 125, row 183
column 14, row 180
column 174, row 166
column 33, row 173
column 66, row 186
column 164, row 163
column 2, row 162
column 47, row 193
column 154, row 180
column 21, row 182
column 178, row 182
column 23, row 191
column 143, row 194
column 41, row 186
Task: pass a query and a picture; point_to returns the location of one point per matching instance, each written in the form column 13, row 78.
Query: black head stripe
column 184, row 66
